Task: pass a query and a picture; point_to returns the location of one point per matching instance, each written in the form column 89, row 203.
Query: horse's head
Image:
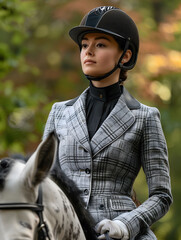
column 19, row 184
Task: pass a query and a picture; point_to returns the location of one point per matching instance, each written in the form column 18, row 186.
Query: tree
column 38, row 66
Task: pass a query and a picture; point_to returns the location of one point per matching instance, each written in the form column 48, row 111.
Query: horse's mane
column 5, row 167
column 73, row 194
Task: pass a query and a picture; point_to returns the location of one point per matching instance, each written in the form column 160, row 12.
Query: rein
column 107, row 236
column 43, row 231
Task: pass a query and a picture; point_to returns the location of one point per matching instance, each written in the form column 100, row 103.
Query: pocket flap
column 122, row 203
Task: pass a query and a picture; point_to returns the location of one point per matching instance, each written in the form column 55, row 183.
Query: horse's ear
column 41, row 161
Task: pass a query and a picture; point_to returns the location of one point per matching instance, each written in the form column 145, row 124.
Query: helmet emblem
column 102, row 10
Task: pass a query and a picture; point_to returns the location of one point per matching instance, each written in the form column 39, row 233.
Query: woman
column 106, row 136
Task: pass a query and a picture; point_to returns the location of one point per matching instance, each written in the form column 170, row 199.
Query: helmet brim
column 77, row 33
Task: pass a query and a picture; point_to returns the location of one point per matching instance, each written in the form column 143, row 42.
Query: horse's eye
column 4, row 163
column 25, row 225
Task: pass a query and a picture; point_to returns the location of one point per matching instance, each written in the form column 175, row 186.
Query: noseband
column 43, row 231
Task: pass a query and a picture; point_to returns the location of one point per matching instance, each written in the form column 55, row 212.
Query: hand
column 116, row 229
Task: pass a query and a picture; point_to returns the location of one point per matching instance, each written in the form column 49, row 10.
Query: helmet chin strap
column 92, row 78
column 119, row 65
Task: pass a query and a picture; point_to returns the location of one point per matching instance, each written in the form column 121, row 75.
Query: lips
column 89, row 61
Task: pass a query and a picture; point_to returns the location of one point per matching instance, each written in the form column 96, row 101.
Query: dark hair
column 123, row 73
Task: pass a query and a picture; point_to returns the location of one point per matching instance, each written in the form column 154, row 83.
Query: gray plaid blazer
column 105, row 168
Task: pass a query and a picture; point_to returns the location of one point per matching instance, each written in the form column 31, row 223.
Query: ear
column 127, row 56
column 39, row 164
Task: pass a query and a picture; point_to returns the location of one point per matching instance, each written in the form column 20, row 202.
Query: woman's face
column 100, row 53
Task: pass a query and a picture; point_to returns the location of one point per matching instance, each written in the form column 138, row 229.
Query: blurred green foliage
column 38, row 66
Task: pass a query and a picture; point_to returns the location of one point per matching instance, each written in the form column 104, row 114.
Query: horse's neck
column 59, row 214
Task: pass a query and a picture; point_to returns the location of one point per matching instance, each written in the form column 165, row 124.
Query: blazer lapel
column 118, row 122
column 76, row 120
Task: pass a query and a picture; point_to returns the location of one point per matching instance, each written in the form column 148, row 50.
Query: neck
column 110, row 80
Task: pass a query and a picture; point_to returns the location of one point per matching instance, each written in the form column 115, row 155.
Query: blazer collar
column 117, row 123
column 130, row 101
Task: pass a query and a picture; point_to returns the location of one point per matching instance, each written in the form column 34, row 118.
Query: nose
column 90, row 50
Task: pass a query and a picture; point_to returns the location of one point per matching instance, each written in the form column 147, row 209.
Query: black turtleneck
column 99, row 103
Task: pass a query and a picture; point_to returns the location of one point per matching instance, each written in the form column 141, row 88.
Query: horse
column 35, row 205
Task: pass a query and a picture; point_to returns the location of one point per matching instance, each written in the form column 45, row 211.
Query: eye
column 84, row 45
column 25, row 225
column 100, row 45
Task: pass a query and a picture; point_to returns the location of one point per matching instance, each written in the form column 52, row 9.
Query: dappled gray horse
column 28, row 211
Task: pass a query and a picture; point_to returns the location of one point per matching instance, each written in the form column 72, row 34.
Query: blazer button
column 87, row 170
column 86, row 191
column 101, row 206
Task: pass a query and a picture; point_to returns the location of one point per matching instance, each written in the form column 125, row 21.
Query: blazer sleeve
column 154, row 159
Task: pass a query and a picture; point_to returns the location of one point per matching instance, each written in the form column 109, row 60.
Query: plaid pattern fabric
column 105, row 168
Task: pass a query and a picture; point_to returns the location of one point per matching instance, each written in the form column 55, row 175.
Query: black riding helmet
column 118, row 24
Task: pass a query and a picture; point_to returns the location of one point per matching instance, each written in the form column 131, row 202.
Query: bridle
column 43, row 231
column 38, row 207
